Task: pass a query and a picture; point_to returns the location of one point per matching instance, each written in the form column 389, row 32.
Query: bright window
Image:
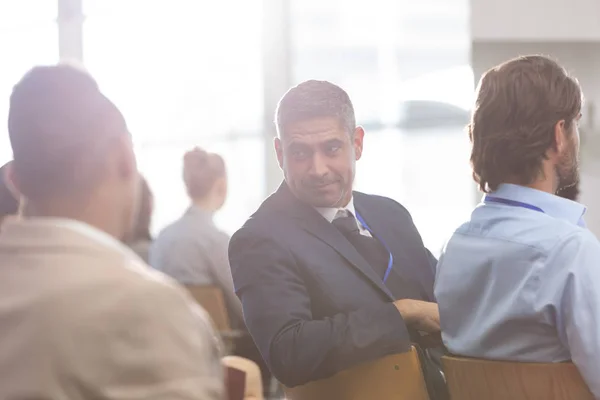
column 189, row 72
column 405, row 65
column 184, row 73
column 28, row 37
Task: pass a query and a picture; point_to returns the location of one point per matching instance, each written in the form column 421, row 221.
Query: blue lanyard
column 391, row 260
column 513, row 203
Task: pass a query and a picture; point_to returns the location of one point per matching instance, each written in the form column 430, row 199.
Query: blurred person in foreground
column 328, row 277
column 140, row 239
column 9, row 205
column 81, row 316
column 520, row 280
column 193, row 250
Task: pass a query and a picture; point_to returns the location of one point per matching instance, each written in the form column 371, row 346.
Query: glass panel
column 26, row 13
column 178, row 69
column 405, row 64
column 28, row 37
column 184, row 73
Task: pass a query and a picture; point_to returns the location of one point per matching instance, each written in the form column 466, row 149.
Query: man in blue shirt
column 520, row 280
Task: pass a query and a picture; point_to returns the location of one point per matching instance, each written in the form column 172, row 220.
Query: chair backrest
column 253, row 380
column 395, row 377
column 212, row 300
column 475, row 379
column 235, row 383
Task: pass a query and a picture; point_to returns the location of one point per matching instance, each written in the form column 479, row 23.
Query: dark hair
column 141, row 228
column 315, row 99
column 8, row 204
column 512, row 126
column 58, row 124
column 200, row 171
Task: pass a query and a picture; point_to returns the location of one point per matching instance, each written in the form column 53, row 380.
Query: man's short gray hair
column 315, row 99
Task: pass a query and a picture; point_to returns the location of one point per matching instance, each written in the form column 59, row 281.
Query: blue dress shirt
column 518, row 284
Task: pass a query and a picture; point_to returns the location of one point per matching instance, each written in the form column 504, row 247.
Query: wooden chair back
column 212, row 300
column 235, row 383
column 475, row 379
column 253, row 387
column 395, row 377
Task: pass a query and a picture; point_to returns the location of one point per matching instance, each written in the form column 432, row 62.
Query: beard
column 567, row 172
column 569, row 192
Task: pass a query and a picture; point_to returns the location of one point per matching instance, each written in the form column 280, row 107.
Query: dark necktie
column 345, row 222
column 373, row 251
column 368, row 247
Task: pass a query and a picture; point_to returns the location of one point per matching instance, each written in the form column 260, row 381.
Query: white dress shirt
column 330, row 213
column 82, row 316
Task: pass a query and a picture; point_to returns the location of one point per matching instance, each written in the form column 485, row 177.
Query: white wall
column 583, row 60
column 536, row 20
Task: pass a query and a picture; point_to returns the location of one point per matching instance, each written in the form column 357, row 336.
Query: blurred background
column 210, row 73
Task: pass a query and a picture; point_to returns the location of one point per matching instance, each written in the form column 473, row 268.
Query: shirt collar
column 196, row 211
column 329, row 212
column 554, row 206
column 81, row 228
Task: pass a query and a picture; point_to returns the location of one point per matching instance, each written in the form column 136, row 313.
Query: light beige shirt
column 82, row 317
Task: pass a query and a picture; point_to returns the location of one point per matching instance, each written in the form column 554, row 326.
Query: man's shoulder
column 126, row 285
column 128, row 317
column 141, row 305
column 265, row 221
column 378, row 201
column 577, row 239
column 535, row 233
column 258, row 229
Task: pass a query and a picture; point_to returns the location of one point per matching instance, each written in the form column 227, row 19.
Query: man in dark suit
column 329, row 278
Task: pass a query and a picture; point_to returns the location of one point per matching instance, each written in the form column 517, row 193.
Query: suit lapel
column 313, row 223
column 378, row 225
column 383, row 229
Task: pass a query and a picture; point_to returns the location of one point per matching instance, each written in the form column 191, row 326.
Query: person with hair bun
column 193, row 251
column 205, row 179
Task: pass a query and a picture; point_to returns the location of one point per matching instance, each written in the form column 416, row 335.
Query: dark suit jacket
column 313, row 305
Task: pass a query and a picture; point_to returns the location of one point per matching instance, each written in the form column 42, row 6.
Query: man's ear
column 560, row 136
column 279, row 151
column 10, row 180
column 125, row 158
column 359, row 134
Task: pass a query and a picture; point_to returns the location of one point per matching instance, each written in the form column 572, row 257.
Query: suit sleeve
column 150, row 342
column 428, row 280
column 277, row 311
column 432, row 261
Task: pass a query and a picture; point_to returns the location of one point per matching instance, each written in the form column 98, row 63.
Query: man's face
column 567, row 168
column 318, row 158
